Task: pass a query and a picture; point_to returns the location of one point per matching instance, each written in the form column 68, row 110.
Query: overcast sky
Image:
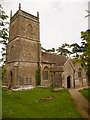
column 61, row 21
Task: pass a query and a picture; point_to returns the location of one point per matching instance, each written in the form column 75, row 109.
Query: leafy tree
column 4, row 34
column 43, row 49
column 48, row 50
column 63, row 50
column 65, row 45
column 75, row 49
column 88, row 11
column 85, row 48
column 38, row 79
column 53, row 50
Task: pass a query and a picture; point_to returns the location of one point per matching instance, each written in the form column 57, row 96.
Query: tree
column 38, row 79
column 75, row 49
column 4, row 34
column 43, row 49
column 63, row 50
column 53, row 50
column 48, row 50
column 85, row 48
column 88, row 11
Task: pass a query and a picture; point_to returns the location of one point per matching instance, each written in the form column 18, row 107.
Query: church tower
column 23, row 50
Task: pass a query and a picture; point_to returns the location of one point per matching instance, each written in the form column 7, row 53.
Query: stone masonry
column 24, row 56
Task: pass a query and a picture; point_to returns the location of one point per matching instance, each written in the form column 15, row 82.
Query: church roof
column 53, row 58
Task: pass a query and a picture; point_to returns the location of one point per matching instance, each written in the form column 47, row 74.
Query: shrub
column 38, row 78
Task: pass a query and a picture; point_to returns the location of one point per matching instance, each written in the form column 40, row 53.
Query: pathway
column 82, row 103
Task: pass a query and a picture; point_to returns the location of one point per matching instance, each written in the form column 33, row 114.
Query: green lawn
column 27, row 104
column 86, row 93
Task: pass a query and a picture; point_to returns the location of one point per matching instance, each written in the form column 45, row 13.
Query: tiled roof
column 53, row 58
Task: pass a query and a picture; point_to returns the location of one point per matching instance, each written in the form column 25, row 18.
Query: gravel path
column 82, row 103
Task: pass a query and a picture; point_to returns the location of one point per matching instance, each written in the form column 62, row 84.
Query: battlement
column 25, row 14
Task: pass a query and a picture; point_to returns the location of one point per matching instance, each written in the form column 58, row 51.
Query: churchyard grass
column 86, row 93
column 27, row 104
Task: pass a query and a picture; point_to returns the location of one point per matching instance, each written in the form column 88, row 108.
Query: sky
column 61, row 21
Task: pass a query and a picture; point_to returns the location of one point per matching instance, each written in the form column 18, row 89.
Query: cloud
column 31, row 1
column 60, row 20
column 69, row 1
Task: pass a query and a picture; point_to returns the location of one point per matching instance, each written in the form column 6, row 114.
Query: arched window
column 30, row 31
column 45, row 73
column 80, row 72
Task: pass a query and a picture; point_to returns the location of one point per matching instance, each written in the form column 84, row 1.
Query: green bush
column 38, row 78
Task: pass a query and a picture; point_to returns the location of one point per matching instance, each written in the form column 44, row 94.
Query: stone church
column 24, row 56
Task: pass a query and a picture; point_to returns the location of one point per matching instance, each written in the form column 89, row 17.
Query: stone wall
column 49, row 81
column 80, row 81
column 68, row 71
column 54, row 77
column 23, row 25
column 27, row 73
column 22, row 50
column 20, row 74
column 58, row 78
